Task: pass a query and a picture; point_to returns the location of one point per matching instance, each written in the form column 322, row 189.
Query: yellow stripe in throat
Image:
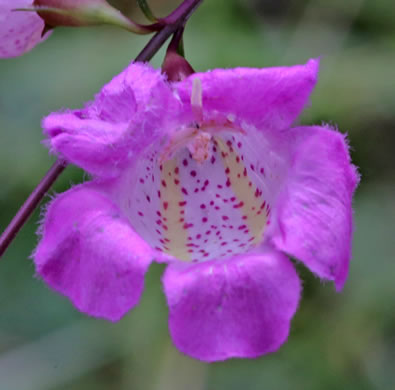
column 249, row 200
column 174, row 226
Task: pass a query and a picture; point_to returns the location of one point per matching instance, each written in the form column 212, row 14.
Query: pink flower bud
column 19, row 31
column 25, row 23
column 80, row 13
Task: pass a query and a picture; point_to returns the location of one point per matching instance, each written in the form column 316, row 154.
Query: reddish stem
column 183, row 12
column 30, row 204
column 176, row 19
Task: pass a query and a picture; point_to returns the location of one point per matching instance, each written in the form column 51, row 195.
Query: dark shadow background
column 337, row 341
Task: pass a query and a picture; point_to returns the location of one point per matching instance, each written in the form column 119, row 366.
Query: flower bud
column 20, row 31
column 83, row 13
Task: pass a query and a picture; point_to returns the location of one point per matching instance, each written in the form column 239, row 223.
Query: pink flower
column 207, row 175
column 20, row 31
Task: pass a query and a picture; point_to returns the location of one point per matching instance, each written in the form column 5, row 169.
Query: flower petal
column 238, row 308
column 314, row 210
column 127, row 115
column 20, row 31
column 89, row 253
column 91, row 144
column 269, row 98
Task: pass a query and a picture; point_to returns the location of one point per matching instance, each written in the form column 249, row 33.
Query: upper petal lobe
column 268, row 98
column 128, row 114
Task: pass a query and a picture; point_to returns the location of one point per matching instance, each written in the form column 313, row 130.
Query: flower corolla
column 207, row 175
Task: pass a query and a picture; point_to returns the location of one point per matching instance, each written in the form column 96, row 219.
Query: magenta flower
column 19, row 31
column 207, row 175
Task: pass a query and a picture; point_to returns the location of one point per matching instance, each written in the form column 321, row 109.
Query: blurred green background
column 337, row 341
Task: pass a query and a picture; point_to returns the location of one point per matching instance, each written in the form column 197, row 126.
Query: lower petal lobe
column 238, row 308
column 89, row 253
column 314, row 211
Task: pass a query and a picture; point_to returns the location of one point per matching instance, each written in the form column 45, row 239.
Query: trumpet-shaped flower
column 20, row 31
column 207, row 175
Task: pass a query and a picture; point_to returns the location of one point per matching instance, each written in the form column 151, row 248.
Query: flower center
column 208, row 193
column 202, row 198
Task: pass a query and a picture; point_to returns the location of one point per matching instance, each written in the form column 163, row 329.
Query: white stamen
column 197, row 99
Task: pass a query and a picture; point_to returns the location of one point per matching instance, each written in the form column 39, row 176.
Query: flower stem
column 183, row 12
column 176, row 19
column 30, row 204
